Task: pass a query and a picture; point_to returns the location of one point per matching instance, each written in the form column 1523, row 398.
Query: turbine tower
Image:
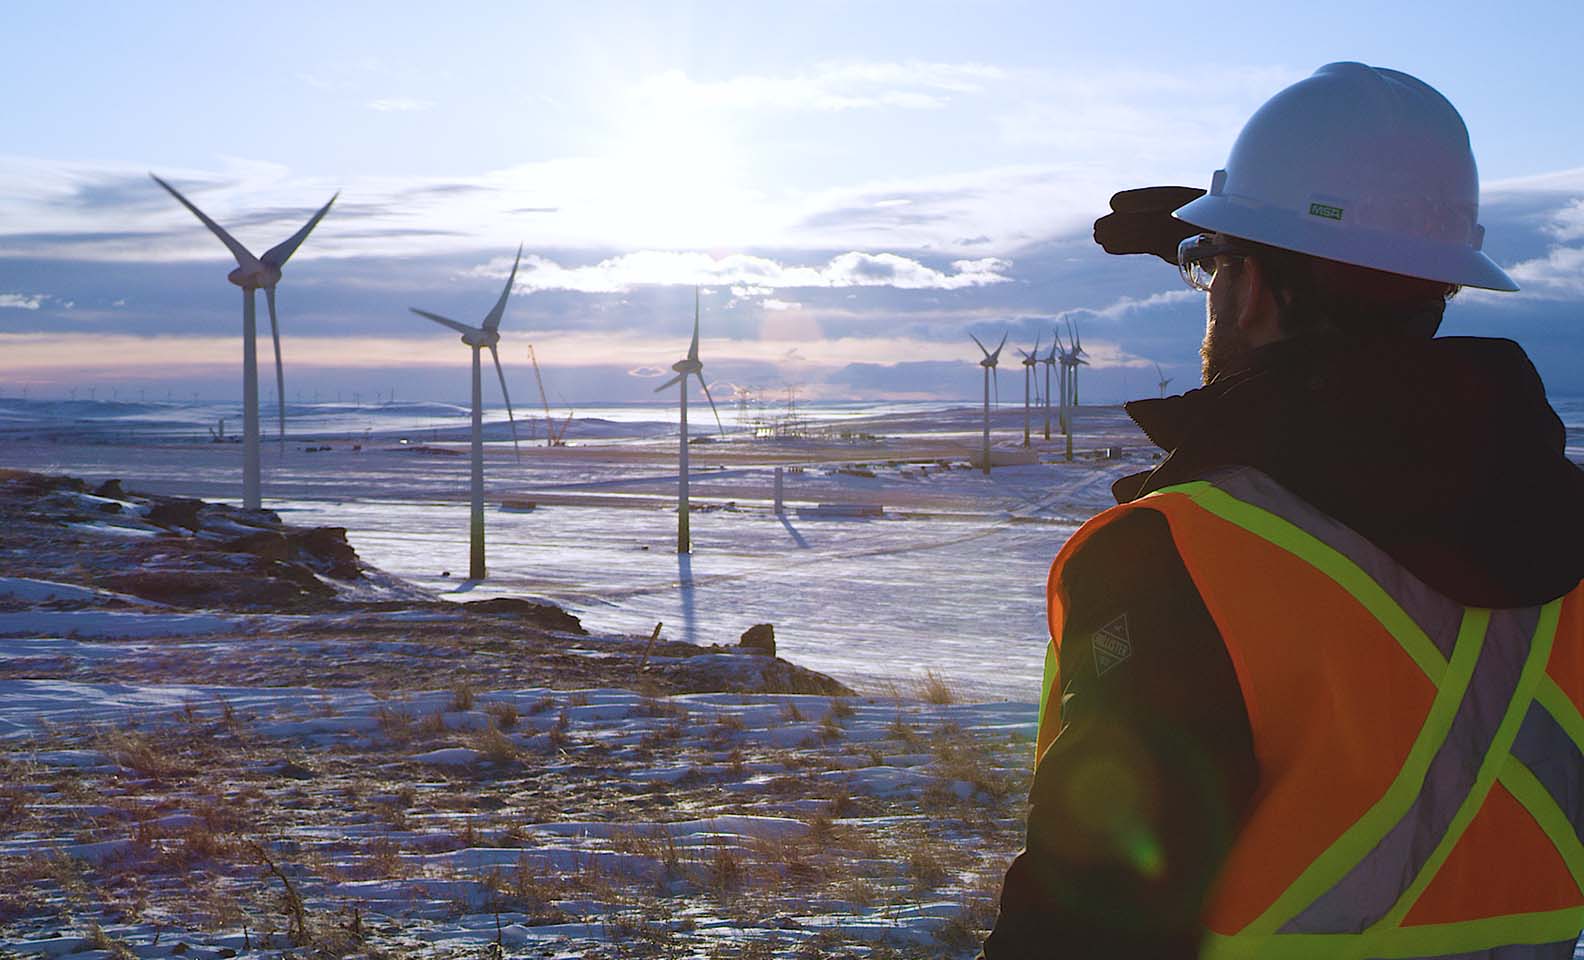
column 480, row 337
column 689, row 364
column 1070, row 360
column 989, row 364
column 250, row 274
column 1029, row 360
column 1164, row 380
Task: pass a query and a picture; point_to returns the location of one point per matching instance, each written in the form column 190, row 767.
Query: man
column 1315, row 683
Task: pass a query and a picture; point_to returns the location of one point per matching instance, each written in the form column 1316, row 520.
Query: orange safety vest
column 1421, row 763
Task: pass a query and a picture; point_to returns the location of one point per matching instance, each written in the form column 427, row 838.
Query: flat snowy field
column 950, row 578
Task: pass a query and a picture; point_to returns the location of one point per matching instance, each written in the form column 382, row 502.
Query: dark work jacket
column 1444, row 453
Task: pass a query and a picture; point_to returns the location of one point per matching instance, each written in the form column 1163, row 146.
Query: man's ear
column 1257, row 313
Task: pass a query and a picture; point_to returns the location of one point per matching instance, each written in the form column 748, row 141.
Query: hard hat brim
column 1330, row 240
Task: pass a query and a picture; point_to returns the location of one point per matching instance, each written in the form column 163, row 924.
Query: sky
column 855, row 186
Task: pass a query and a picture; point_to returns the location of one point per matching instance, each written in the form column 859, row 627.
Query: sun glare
column 678, row 171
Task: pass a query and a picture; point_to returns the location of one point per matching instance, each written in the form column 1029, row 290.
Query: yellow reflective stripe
column 1359, row 839
column 1401, row 943
column 1325, row 558
column 1558, row 704
column 1049, row 679
column 1495, row 758
column 1534, row 797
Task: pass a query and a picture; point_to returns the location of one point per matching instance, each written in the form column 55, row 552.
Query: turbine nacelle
column 255, row 276
column 991, row 357
column 481, row 339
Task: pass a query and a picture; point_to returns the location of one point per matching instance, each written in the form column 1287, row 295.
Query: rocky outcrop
column 759, row 638
column 545, row 615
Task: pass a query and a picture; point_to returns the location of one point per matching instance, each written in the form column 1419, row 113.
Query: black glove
column 1140, row 221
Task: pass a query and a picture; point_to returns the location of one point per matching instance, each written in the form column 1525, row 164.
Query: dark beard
column 1225, row 346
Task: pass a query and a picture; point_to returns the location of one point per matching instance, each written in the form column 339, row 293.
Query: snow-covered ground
column 151, row 811
column 950, row 578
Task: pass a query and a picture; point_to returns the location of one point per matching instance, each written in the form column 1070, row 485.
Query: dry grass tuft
column 503, row 712
column 142, row 753
column 462, row 697
column 496, row 746
column 925, row 867
column 396, row 724
column 934, row 689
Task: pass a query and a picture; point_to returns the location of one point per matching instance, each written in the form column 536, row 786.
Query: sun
column 675, row 171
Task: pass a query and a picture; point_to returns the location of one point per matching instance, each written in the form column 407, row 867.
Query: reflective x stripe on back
column 1496, row 717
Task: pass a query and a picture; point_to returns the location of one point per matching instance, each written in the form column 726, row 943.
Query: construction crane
column 552, row 436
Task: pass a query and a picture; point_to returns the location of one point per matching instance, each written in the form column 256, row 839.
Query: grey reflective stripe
column 1437, row 616
column 1560, row 950
column 1554, row 759
column 1368, row 891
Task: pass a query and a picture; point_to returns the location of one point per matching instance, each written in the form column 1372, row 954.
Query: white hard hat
column 1359, row 164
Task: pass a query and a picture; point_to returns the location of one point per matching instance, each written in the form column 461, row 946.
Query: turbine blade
column 461, row 328
column 280, row 378
column 718, row 425
column 981, row 346
column 693, row 349
column 243, row 257
column 509, row 416
column 492, row 322
column 997, row 354
column 670, row 383
column 277, row 255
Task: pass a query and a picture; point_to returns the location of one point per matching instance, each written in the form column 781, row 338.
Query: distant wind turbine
column 1164, row 380
column 1070, row 359
column 690, row 364
column 1029, row 360
column 480, row 337
column 1050, row 361
column 250, row 274
column 1078, row 352
column 989, row 364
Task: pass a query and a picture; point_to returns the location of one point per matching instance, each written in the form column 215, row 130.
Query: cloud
column 851, row 269
column 22, row 301
column 1126, row 305
column 399, row 104
column 912, row 85
column 1559, row 275
column 1540, row 220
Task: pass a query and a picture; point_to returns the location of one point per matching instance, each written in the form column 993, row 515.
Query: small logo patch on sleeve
column 1325, row 210
column 1112, row 645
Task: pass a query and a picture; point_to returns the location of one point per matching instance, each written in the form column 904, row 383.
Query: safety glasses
column 1196, row 258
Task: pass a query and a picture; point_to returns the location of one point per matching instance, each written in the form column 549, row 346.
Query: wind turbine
column 1164, row 380
column 250, row 274
column 1077, row 352
column 486, row 335
column 1029, row 360
column 1070, row 360
column 689, row 364
column 1050, row 361
column 989, row 364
